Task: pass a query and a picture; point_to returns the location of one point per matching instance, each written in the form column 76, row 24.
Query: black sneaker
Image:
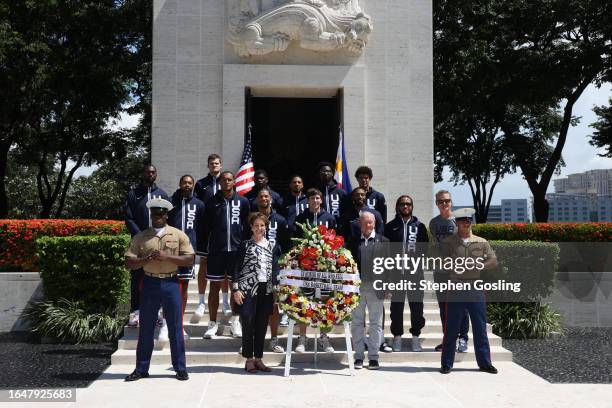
column 136, row 375
column 385, row 348
column 182, row 375
column 445, row 370
column 358, row 364
column 438, row 347
column 489, row 369
column 373, row 365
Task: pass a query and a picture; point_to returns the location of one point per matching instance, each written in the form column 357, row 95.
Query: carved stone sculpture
column 258, row 27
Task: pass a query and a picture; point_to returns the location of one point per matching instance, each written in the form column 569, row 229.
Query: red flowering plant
column 319, row 261
column 18, row 238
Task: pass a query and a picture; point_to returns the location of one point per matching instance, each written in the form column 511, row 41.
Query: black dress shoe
column 182, row 375
column 489, row 369
column 438, row 347
column 445, row 370
column 136, row 375
column 358, row 364
column 373, row 365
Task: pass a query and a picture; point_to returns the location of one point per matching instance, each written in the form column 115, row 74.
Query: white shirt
column 160, row 231
column 372, row 236
column 263, row 265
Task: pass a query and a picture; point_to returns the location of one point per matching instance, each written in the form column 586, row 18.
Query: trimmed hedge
column 18, row 238
column 532, row 263
column 557, row 232
column 89, row 270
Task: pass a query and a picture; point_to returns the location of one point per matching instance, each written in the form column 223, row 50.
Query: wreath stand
column 349, row 347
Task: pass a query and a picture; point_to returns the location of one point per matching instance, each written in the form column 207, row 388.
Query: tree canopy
column 69, row 69
column 518, row 67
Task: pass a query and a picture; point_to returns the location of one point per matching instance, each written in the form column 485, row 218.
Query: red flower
column 307, row 264
column 337, row 242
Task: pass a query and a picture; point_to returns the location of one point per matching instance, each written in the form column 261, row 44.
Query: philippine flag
column 342, row 174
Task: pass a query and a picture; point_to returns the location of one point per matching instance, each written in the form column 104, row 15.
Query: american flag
column 245, row 178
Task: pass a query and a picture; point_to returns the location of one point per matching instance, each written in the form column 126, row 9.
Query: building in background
column 582, row 197
column 510, row 210
column 598, row 182
column 579, row 208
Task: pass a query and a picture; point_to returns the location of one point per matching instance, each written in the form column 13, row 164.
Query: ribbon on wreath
column 288, row 277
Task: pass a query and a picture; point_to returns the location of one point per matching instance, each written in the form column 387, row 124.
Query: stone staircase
column 223, row 349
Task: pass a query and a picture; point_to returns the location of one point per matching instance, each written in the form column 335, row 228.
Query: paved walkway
column 394, row 385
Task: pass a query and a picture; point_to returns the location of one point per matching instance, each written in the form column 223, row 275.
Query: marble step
column 201, row 357
column 193, row 296
column 225, row 343
column 428, row 313
column 198, row 329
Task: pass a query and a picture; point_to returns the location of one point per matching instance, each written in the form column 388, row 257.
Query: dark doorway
column 291, row 135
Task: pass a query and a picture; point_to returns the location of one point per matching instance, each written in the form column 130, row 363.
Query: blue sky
column 578, row 154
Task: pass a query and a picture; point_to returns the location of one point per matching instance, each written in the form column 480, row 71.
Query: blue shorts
column 220, row 266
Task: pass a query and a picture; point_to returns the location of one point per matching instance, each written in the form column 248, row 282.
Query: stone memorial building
column 299, row 72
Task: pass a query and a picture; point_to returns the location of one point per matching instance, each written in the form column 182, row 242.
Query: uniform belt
column 161, row 275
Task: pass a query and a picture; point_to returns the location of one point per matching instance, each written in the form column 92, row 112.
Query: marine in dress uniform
column 160, row 250
column 466, row 245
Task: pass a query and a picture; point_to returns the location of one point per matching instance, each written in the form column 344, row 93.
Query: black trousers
column 254, row 322
column 136, row 277
column 417, row 320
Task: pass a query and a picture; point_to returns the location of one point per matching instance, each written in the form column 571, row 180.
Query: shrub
column 89, row 270
column 68, row 321
column 523, row 320
column 557, row 232
column 533, row 264
column 18, row 238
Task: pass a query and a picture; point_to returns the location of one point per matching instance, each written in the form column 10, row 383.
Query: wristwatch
column 235, row 287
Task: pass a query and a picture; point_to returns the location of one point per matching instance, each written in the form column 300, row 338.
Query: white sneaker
column 462, row 346
column 227, row 310
column 134, row 318
column 160, row 318
column 301, row 347
column 200, row 310
column 236, row 328
column 213, row 327
column 324, row 344
column 284, row 320
column 274, row 346
column 397, row 344
column 163, row 332
column 415, row 344
column 185, row 335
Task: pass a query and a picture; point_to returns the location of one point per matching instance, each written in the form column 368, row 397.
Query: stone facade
column 199, row 82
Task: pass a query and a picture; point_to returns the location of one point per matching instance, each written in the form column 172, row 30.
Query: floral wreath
column 321, row 250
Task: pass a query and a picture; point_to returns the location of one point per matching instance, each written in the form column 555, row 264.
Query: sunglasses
column 158, row 212
column 443, row 201
column 405, row 204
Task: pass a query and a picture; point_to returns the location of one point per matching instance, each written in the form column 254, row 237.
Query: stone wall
column 199, row 81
